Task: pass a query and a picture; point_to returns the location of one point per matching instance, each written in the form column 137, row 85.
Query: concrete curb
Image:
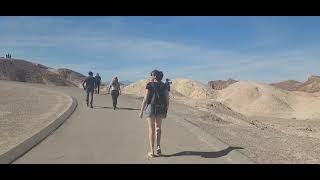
column 19, row 150
column 234, row 157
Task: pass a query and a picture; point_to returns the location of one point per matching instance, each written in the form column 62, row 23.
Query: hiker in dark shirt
column 90, row 82
column 155, row 104
column 98, row 79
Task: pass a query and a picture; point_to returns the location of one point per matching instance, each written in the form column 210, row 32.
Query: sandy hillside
column 71, row 76
column 179, row 88
column 192, row 89
column 25, row 71
column 317, row 94
column 253, row 98
column 136, row 88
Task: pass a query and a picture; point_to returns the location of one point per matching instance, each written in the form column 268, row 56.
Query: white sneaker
column 158, row 150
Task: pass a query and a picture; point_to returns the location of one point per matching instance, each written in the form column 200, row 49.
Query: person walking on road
column 168, row 82
column 155, row 104
column 115, row 91
column 98, row 79
column 90, row 83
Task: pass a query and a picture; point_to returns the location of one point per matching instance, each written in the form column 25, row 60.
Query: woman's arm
column 144, row 103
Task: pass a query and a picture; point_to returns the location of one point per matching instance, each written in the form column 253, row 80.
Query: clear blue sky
column 266, row 49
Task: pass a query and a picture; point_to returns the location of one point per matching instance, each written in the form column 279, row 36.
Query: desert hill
column 25, row 71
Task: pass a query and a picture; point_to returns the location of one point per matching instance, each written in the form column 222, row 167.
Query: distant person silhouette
column 155, row 104
column 115, row 91
column 168, row 82
column 90, row 82
column 98, row 79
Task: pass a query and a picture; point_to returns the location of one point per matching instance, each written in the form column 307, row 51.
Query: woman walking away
column 155, row 104
column 115, row 91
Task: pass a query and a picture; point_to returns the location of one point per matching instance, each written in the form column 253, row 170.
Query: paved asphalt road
column 104, row 135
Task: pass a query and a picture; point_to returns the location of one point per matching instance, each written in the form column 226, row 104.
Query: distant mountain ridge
column 311, row 85
column 289, row 85
column 221, row 84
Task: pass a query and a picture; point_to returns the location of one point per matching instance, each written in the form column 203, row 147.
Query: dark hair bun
column 158, row 74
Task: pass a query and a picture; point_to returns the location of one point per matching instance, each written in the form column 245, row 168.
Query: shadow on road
column 119, row 108
column 204, row 154
column 134, row 109
column 102, row 107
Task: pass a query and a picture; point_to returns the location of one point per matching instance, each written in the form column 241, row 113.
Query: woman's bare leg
column 158, row 130
column 151, row 122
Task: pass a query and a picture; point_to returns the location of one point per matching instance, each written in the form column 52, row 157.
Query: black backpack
column 158, row 100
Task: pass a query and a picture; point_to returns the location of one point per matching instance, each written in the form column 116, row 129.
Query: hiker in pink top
column 115, row 91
